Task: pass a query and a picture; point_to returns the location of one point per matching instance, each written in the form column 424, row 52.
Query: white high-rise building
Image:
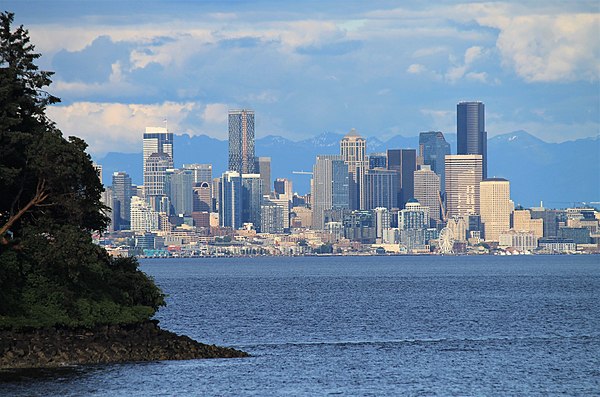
column 158, row 140
column 463, row 175
column 353, row 149
column 495, row 207
column 143, row 217
column 427, row 190
column 329, row 187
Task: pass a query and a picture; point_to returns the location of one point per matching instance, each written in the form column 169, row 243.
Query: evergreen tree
column 51, row 273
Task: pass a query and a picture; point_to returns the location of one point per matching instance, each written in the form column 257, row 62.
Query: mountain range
column 560, row 174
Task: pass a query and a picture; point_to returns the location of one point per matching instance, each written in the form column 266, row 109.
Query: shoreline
column 61, row 346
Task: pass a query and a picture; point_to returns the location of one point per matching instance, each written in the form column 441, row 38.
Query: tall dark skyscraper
column 470, row 128
column 404, row 161
column 122, row 192
column 433, row 148
column 241, row 141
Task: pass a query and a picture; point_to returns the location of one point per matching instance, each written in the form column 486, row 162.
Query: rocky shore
column 56, row 347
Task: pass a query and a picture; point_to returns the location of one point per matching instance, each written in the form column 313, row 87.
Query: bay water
column 363, row 326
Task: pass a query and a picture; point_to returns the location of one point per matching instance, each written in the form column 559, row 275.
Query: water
column 367, row 326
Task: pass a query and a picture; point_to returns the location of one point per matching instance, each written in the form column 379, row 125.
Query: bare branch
column 40, row 195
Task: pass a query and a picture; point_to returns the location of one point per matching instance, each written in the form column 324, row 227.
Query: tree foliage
column 50, row 270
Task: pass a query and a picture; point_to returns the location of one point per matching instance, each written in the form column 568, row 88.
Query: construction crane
column 302, row 172
column 444, row 213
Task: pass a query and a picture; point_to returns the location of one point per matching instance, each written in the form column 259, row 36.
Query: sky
column 308, row 67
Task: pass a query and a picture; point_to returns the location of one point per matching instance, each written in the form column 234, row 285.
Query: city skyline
column 311, row 68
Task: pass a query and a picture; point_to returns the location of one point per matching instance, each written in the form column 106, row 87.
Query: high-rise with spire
column 353, row 150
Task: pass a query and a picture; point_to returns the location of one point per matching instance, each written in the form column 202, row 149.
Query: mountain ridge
column 525, row 160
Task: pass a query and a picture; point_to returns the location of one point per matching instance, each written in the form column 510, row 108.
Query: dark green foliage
column 51, row 273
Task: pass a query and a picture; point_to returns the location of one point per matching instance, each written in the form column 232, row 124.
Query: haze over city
column 382, row 68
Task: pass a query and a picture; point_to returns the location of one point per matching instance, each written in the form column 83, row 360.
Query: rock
column 52, row 347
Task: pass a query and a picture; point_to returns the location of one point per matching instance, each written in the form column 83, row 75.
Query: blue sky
column 382, row 67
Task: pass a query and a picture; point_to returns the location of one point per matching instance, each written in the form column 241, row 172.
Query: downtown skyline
column 313, row 68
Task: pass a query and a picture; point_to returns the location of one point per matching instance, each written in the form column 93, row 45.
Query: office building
column 252, row 197
column 522, row 222
column 262, row 166
column 121, row 195
column 143, row 217
column 179, row 189
column 404, row 161
column 202, row 198
column 463, row 176
column 382, row 223
column 283, row 188
column 495, row 207
column 241, row 141
column 359, row 226
column 201, row 172
column 519, row 240
column 381, row 188
column 330, row 187
column 433, row 149
column 427, row 191
column 230, row 201
column 158, row 140
column 271, row 218
column 353, row 149
column 377, row 160
column 470, row 129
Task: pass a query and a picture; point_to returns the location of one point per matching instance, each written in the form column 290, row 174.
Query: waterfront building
column 579, row 235
column 330, row 187
column 556, row 245
column 353, row 149
column 414, row 216
column 520, row 240
column 241, row 141
column 433, row 149
column 262, row 166
column 382, row 222
column 427, row 191
column 121, row 200
column 463, row 177
column 522, row 221
column 404, row 161
column 230, row 202
column 470, row 129
column 495, row 207
column 252, row 197
column 380, row 188
column 271, row 218
column 359, row 226
column 552, row 219
column 458, row 226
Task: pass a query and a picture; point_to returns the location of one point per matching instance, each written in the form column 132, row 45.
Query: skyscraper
column 495, row 207
column 155, row 172
column 121, row 188
column 158, row 140
column 262, row 166
column 427, row 191
column 330, row 187
column 405, row 162
column 241, row 141
column 178, row 186
column 381, row 189
column 377, row 160
column 353, row 149
column 283, row 188
column 433, row 149
column 463, row 175
column 201, row 172
column 470, row 128
column 230, row 201
column 252, row 196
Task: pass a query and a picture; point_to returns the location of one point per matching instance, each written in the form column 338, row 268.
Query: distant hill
column 557, row 173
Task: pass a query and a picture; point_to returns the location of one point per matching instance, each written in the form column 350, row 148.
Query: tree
column 50, row 270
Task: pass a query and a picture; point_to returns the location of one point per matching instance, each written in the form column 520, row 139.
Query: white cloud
column 416, row 68
column 116, row 126
column 215, row 113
